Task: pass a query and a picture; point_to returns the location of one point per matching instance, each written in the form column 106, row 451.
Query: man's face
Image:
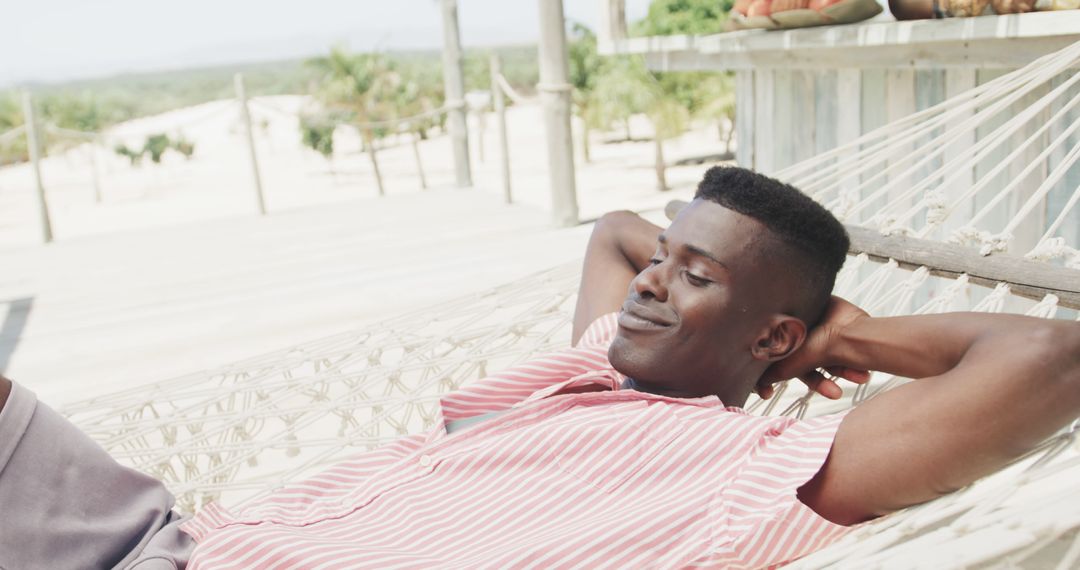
column 690, row 318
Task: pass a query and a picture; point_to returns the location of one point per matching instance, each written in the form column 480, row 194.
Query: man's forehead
column 711, row 227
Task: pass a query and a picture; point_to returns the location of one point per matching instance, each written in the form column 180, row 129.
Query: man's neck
column 631, row 384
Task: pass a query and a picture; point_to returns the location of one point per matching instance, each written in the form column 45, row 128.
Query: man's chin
column 628, row 358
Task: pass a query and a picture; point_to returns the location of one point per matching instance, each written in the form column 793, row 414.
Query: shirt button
column 425, row 461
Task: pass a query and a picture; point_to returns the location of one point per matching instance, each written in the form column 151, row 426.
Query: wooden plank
column 900, row 95
column 990, row 41
column 781, row 136
column 997, row 218
column 958, row 81
column 802, row 124
column 1063, row 190
column 744, row 119
column 849, row 114
column 872, row 114
column 826, row 106
column 849, row 104
column 1027, row 234
column 929, row 91
column 763, row 121
column 1030, row 279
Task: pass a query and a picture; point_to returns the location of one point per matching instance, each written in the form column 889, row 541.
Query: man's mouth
column 637, row 317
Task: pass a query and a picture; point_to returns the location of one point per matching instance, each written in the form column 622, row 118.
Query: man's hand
column 815, row 354
column 987, row 389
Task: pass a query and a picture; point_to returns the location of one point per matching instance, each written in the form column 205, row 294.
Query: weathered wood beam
column 454, row 89
column 1030, row 279
column 612, row 25
column 555, row 90
column 1003, row 42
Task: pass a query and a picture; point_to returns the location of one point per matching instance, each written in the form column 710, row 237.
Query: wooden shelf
column 984, row 42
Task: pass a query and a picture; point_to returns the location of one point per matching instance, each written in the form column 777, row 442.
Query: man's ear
column 784, row 335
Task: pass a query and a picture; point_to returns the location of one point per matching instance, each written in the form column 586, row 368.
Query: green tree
column 364, row 86
column 11, row 117
column 693, row 17
column 586, row 66
column 624, row 88
column 317, row 133
column 156, row 145
column 716, row 94
column 135, row 156
column 669, row 118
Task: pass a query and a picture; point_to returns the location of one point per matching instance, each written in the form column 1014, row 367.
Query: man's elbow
column 612, row 223
column 1056, row 344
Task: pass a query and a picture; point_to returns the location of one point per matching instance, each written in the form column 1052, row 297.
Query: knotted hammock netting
column 994, row 169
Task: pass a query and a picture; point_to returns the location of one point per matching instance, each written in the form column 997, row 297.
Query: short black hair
column 818, row 241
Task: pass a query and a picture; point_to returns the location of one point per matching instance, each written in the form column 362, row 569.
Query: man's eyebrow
column 698, row 251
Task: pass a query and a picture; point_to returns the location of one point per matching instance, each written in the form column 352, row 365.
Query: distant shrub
column 134, row 156
column 156, row 145
column 318, row 134
column 184, row 147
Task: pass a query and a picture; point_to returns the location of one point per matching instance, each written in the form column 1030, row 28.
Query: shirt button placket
column 426, row 462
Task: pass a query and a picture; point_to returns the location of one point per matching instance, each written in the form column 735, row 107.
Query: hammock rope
column 238, row 433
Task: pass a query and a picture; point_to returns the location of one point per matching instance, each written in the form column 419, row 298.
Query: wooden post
column 369, row 139
column 555, row 90
column 744, row 119
column 33, row 146
column 416, row 155
column 500, row 114
column 481, row 120
column 612, row 25
column 241, row 96
column 94, row 167
column 454, row 87
column 661, row 169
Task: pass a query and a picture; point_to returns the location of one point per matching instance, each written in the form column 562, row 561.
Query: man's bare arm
column 620, row 247
column 993, row 387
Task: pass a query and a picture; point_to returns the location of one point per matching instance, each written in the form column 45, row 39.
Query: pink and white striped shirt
column 574, row 473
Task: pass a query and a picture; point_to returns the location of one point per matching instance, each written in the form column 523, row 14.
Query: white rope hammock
column 237, row 433
column 975, row 169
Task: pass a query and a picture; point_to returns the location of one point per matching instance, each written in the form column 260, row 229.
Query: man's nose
column 652, row 282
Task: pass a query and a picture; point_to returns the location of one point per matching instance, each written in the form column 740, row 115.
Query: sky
column 58, row 40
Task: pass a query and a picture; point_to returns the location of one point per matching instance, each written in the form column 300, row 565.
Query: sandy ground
column 174, row 272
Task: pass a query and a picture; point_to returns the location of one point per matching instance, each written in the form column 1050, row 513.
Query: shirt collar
column 611, row 380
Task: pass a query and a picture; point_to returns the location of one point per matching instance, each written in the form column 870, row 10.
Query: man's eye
column 696, row 280
column 655, row 261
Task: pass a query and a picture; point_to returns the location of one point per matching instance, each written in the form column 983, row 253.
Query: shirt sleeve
column 67, row 504
column 502, row 390
column 760, row 508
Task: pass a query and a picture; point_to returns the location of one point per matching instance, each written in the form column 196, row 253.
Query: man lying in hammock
column 629, row 449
